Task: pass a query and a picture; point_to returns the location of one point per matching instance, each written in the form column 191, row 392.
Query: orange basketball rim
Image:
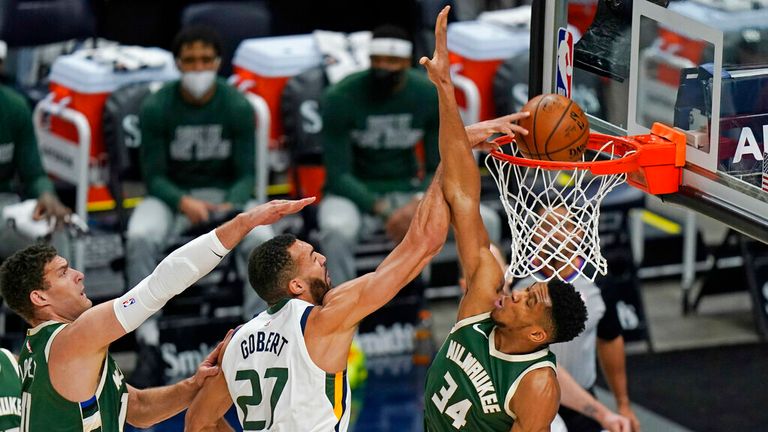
column 653, row 162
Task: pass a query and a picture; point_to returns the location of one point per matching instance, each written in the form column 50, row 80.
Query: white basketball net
column 553, row 215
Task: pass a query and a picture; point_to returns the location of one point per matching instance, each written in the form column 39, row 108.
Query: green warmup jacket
column 369, row 141
column 185, row 147
column 19, row 154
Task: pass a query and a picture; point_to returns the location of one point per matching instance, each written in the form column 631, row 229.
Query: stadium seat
column 30, row 23
column 122, row 138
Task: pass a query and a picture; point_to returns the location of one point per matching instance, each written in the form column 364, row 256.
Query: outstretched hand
column 272, row 211
column 478, row 133
column 438, row 67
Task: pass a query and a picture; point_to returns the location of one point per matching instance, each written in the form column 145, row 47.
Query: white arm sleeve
column 173, row 275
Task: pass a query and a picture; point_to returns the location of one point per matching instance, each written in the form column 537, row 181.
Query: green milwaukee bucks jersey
column 470, row 383
column 44, row 410
column 10, row 392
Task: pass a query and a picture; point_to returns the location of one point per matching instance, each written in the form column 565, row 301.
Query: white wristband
column 173, row 275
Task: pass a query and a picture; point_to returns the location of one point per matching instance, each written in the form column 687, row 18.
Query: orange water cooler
column 264, row 65
column 476, row 51
column 82, row 82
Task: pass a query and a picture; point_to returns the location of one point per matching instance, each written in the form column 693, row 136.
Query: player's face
column 66, row 292
column 196, row 57
column 522, row 309
column 311, row 263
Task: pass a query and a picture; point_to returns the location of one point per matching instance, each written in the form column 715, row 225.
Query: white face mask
column 198, row 83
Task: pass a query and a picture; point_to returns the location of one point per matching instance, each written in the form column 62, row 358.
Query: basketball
column 558, row 129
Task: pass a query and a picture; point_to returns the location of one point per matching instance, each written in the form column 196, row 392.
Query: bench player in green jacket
column 70, row 383
column 494, row 372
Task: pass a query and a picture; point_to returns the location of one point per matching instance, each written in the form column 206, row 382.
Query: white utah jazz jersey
column 274, row 383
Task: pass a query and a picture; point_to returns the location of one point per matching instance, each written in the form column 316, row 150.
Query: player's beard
column 318, row 288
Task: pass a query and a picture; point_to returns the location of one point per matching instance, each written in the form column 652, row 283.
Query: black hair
column 23, row 273
column 271, row 267
column 196, row 33
column 569, row 314
column 391, row 31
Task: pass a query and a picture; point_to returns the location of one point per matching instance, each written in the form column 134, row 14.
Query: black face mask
column 385, row 81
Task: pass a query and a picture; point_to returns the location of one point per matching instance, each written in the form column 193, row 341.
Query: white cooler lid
column 478, row 40
column 104, row 70
column 279, row 56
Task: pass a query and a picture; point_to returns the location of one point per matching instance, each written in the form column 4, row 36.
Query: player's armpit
column 536, row 401
column 210, row 405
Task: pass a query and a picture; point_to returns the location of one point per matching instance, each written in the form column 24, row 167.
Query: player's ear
column 538, row 335
column 296, row 287
column 38, row 298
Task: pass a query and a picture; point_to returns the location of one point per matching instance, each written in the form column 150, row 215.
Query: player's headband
column 391, row 47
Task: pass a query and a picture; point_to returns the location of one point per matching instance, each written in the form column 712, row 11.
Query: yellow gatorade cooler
column 476, row 51
column 264, row 65
column 83, row 81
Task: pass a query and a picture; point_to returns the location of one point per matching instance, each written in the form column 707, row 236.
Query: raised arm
column 77, row 352
column 345, row 306
column 461, row 185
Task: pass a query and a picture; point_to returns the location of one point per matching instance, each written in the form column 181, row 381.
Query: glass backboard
column 698, row 65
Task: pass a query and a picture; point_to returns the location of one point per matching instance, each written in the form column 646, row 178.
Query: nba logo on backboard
column 564, row 62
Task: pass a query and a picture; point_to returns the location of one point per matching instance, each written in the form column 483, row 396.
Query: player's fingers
column 296, row 206
column 517, row 116
column 518, row 129
column 308, row 200
column 506, row 130
column 440, row 25
column 208, row 371
column 627, row 427
column 210, row 359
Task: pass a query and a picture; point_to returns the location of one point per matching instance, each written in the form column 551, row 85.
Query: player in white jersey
column 285, row 370
column 269, row 353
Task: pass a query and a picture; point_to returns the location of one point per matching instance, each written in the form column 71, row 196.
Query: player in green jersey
column 494, row 371
column 10, row 392
column 69, row 381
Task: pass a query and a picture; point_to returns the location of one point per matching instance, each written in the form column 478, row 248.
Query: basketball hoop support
column 660, row 165
column 653, row 162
